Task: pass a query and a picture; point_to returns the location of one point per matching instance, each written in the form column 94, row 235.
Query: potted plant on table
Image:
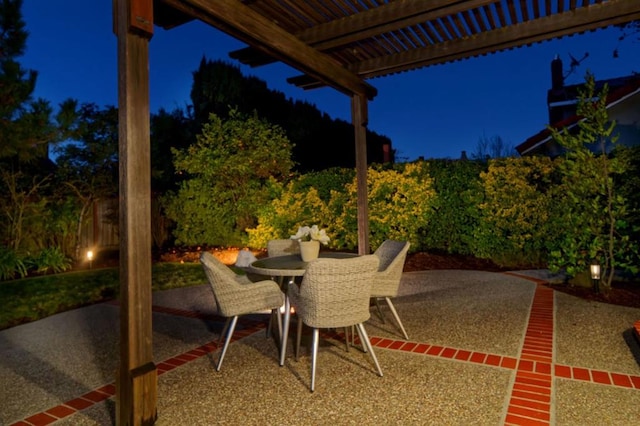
column 310, row 239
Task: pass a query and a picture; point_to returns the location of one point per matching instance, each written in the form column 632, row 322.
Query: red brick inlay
column 40, row 419
column 528, row 403
column 79, row 403
column 61, row 411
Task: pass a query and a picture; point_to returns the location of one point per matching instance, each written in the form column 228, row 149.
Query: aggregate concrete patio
column 485, row 348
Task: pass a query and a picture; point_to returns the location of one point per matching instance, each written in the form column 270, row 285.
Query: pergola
column 334, row 43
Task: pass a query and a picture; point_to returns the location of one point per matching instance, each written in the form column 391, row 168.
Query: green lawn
column 30, row 299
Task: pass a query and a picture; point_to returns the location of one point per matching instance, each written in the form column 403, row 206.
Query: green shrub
column 456, row 212
column 50, row 259
column 229, row 172
column 591, row 205
column 399, row 206
column 513, row 229
column 292, row 208
column 11, row 264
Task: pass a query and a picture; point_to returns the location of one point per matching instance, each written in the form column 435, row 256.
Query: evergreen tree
column 25, row 124
column 88, row 168
column 169, row 130
column 319, row 141
column 26, row 129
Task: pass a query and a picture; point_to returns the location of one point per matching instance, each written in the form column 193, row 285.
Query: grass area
column 31, row 299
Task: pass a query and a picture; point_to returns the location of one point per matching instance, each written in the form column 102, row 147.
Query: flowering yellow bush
column 399, row 206
column 516, row 206
column 283, row 216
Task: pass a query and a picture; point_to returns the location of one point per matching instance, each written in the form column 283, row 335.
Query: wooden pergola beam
column 241, row 22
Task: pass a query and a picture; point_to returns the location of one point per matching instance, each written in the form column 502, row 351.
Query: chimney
column 557, row 81
column 386, row 153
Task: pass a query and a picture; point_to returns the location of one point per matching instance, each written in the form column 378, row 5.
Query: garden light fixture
column 595, row 276
column 90, row 258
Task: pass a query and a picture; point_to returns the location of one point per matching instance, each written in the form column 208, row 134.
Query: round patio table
column 286, row 268
column 290, row 265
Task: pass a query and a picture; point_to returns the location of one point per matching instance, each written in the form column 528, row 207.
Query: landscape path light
column 595, row 270
column 90, row 258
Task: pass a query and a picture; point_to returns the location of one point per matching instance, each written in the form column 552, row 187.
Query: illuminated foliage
column 590, row 207
column 231, row 169
column 515, row 210
column 399, row 205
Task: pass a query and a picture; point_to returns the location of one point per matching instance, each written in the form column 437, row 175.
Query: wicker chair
column 334, row 293
column 282, row 247
column 235, row 295
column 392, row 255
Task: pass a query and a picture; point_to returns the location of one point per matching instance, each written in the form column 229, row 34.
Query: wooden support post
column 136, row 393
column 359, row 117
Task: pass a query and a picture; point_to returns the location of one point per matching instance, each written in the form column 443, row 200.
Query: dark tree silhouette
column 320, row 142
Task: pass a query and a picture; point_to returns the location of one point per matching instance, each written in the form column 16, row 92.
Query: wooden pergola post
column 359, row 117
column 137, row 379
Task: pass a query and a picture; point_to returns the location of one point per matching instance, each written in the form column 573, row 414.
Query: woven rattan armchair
column 334, row 293
column 236, row 295
column 282, row 247
column 392, row 255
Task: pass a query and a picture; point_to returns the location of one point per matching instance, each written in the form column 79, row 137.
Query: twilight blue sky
column 435, row 112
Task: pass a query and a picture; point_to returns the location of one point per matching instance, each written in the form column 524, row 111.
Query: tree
column 25, row 124
column 228, row 171
column 88, row 167
column 493, row 147
column 26, row 129
column 591, row 209
column 218, row 86
column 169, row 130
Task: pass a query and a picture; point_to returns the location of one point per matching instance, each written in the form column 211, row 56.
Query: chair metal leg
column 346, row 337
column 285, row 330
column 279, row 318
column 224, row 330
column 364, row 346
column 377, row 302
column 367, row 343
column 226, row 341
column 276, row 313
column 395, row 315
column 298, row 337
column 314, row 356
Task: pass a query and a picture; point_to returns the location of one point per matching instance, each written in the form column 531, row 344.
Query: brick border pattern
column 530, row 398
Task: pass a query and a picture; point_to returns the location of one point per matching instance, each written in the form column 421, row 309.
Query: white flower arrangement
column 312, row 233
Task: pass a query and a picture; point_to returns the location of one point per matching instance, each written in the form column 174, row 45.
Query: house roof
column 342, row 43
column 614, row 97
